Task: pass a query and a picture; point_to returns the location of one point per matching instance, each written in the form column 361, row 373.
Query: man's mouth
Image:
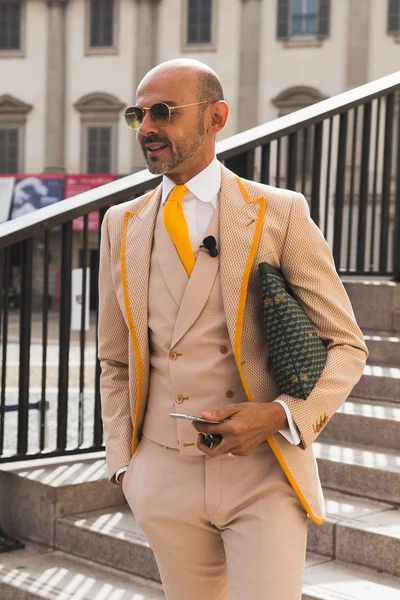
column 155, row 149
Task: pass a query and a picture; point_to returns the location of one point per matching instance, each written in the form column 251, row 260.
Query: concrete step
column 376, row 303
column 38, row 572
column 379, row 383
column 370, row 423
column 358, row 530
column 49, row 488
column 111, row 537
column 384, row 348
column 334, row 580
column 360, row 470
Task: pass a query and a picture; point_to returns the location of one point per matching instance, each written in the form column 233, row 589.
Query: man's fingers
column 221, row 414
column 205, row 428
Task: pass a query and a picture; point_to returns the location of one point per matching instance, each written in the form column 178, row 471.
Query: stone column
column 55, row 85
column 249, row 63
column 358, row 40
column 146, row 52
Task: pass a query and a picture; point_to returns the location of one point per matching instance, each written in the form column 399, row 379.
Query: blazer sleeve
column 113, row 336
column 307, row 264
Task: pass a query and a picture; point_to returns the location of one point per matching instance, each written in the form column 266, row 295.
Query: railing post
column 98, row 424
column 340, row 181
column 386, row 185
column 3, row 316
column 364, row 179
column 316, row 175
column 242, row 164
column 292, row 161
column 65, row 334
column 265, row 163
column 82, row 334
column 25, row 344
column 45, row 328
column 396, row 241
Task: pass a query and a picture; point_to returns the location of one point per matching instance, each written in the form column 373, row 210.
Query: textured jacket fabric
column 257, row 223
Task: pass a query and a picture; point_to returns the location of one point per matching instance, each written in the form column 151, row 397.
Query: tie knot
column 177, row 193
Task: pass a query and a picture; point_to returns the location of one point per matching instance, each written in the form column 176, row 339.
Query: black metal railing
column 342, row 153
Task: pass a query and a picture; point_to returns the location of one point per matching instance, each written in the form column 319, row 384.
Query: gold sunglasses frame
column 170, row 108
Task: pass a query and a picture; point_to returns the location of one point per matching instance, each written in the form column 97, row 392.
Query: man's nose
column 147, row 126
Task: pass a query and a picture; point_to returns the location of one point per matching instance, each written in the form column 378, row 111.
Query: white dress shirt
column 199, row 204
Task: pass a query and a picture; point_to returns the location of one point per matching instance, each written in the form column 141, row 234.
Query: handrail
column 138, row 183
column 307, row 116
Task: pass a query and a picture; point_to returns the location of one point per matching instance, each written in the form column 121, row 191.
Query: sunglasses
column 160, row 113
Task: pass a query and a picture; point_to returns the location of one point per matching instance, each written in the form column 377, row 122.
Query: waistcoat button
column 173, row 355
column 223, row 350
column 179, row 399
column 230, row 394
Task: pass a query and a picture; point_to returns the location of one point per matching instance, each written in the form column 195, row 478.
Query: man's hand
column 248, row 425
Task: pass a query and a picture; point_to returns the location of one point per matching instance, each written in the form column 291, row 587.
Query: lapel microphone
column 210, row 245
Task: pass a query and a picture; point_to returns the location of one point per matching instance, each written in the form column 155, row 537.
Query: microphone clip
column 210, row 246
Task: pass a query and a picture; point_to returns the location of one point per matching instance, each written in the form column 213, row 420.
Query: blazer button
column 223, row 350
column 179, row 399
column 173, row 355
column 230, row 394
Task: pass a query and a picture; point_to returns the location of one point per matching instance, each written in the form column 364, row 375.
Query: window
column 99, row 149
column 394, row 17
column 13, row 115
column 9, row 149
column 303, row 19
column 10, row 24
column 199, row 24
column 101, row 26
column 100, row 114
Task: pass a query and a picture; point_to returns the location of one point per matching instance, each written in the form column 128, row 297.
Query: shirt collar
column 205, row 185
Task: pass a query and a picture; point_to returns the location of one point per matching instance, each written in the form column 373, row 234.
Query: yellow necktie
column 175, row 224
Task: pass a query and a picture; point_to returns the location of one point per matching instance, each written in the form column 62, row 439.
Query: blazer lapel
column 241, row 222
column 199, row 286
column 136, row 246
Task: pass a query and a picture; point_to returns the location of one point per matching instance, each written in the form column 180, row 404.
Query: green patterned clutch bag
column 298, row 354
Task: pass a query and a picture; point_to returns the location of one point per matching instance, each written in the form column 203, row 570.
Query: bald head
column 188, row 72
column 184, row 144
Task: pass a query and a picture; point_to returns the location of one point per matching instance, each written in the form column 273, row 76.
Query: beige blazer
column 257, row 223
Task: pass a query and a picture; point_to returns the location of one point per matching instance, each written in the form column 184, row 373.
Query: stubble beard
column 184, row 150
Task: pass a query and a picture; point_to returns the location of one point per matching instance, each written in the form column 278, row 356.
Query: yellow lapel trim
column 299, row 493
column 245, row 279
column 237, row 343
column 138, row 359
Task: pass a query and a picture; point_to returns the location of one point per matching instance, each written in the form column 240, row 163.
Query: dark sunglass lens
column 160, row 114
column 134, row 117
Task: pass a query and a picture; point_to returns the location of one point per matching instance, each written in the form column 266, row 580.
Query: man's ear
column 219, row 116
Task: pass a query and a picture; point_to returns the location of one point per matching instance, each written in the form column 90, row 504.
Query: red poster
column 77, row 184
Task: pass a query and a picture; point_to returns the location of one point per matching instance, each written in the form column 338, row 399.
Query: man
column 180, row 331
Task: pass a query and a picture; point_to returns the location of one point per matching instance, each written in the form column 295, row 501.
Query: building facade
column 68, row 68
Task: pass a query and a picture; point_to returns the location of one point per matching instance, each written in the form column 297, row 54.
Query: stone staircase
column 83, row 542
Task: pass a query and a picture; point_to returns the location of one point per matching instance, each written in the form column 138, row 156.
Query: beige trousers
column 221, row 528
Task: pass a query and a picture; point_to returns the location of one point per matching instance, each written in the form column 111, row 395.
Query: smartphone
column 195, row 419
